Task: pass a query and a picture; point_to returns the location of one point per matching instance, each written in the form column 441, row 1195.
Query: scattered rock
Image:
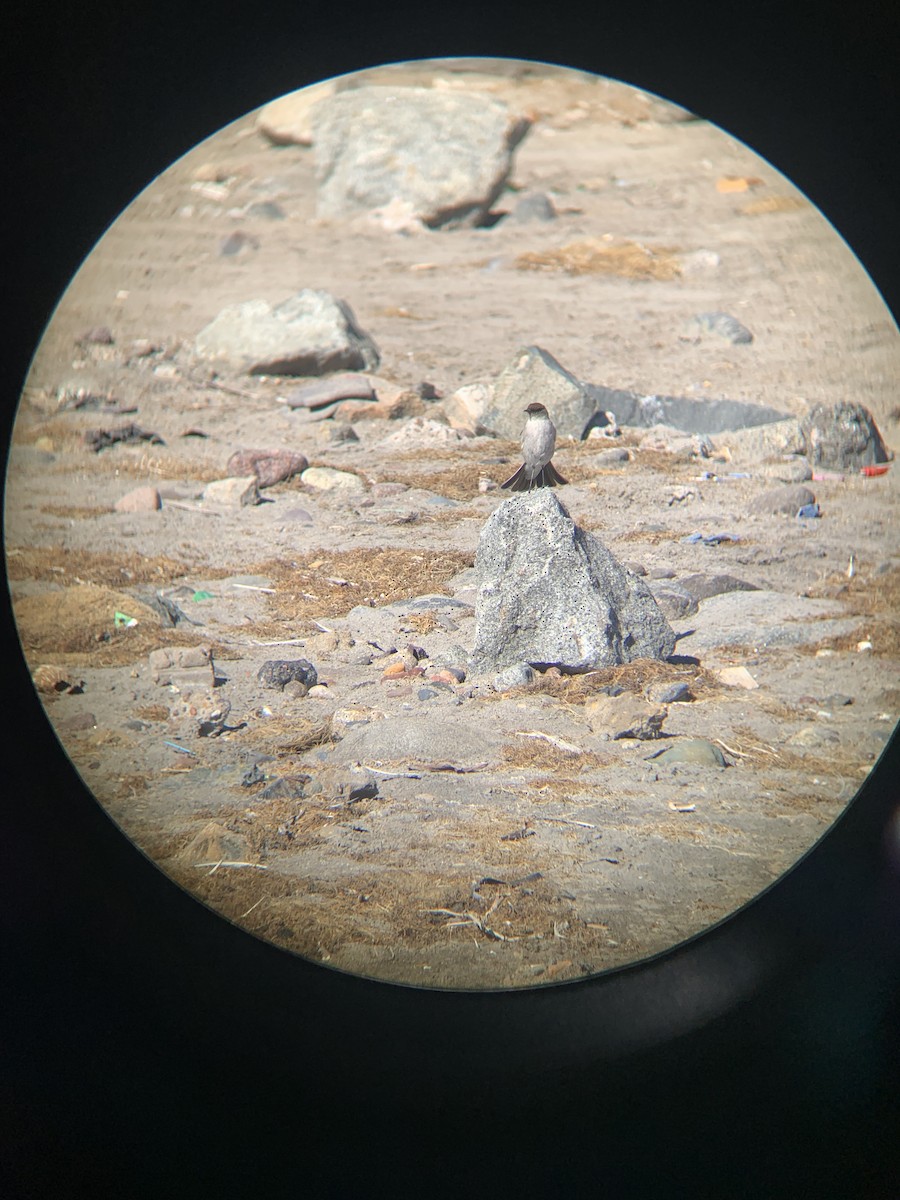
column 167, row 662
column 788, row 499
column 702, row 586
column 323, row 397
column 691, row 750
column 269, row 466
column 668, row 693
column 811, row 736
column 757, row 444
column 266, row 210
column 142, row 348
column 400, row 739
column 142, row 499
column 465, row 407
column 724, row 326
column 423, row 431
column 77, row 723
column 277, row 673
column 99, row 439
column 704, row 417
column 311, row 333
column 842, row 436
column 625, row 716
column 287, row 787
column 329, row 479
column 535, row 375
column 99, row 335
column 533, row 206
column 674, row 602
column 55, row 680
column 448, row 154
column 286, row 121
column 795, row 469
column 216, row 843
column 238, row 492
column 341, row 434
column 237, row 242
column 518, row 675
column 612, row 457
column 319, row 691
column 551, row 594
column 737, row 677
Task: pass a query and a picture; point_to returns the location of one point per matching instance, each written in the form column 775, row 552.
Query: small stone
column 341, row 433
column 329, row 479
column 518, row 675
column 534, row 206
column 45, row 444
column 674, row 602
column 142, row 499
column 668, row 693
column 210, row 173
column 790, row 470
column 99, row 335
column 288, row 787
column 296, row 688
column 725, row 326
column 736, row 677
column 426, row 693
column 278, row 673
column 812, row 736
column 451, row 675
column 343, row 719
column 52, row 680
column 612, row 457
column 267, row 210
column 239, row 492
column 237, row 242
column 77, row 723
column 142, row 347
column 789, row 500
column 692, row 750
column 319, row 691
column 625, row 716
column 269, row 466
column 700, row 262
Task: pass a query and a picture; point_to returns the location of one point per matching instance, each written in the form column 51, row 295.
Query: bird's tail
column 548, row 476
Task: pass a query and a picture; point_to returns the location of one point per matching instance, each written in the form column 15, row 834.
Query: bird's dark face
column 533, row 408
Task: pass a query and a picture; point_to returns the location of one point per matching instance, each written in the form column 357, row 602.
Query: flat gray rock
column 444, row 155
column 412, row 739
column 551, row 594
column 763, row 618
column 310, row 333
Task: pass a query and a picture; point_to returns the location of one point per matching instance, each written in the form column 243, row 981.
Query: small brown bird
column 538, row 444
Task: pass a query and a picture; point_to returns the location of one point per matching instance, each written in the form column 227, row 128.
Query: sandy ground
column 508, row 842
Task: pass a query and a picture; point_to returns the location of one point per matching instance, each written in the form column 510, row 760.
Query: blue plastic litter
column 809, row 510
column 710, row 539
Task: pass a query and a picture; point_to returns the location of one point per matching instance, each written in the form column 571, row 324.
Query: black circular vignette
column 158, row 1049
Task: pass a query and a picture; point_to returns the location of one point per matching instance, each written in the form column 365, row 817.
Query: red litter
column 879, row 470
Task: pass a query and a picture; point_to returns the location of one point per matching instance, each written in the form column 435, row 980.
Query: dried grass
column 68, row 567
column 596, row 256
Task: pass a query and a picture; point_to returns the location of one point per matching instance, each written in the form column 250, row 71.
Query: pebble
column 343, row 719
column 534, row 206
column 624, row 716
column 268, row 210
column 426, row 693
column 142, row 347
column 277, row 673
column 142, row 499
column 77, row 723
column 48, row 678
column 236, row 242
column 450, row 675
column 269, row 466
column 239, row 492
column 789, row 500
column 319, row 691
column 700, row 262
column 791, row 470
column 512, row 677
column 329, row 479
column 692, row 750
column 668, row 693
column 611, row 457
column 813, row 735
column 100, row 335
column 725, row 326
column 341, row 432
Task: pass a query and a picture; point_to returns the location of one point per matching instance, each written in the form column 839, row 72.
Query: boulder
column 535, row 375
column 843, row 436
column 551, row 594
column 444, row 155
column 142, row 499
column 310, row 333
column 287, row 120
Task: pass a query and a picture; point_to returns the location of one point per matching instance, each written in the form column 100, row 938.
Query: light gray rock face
column 536, row 376
column 843, row 436
column 445, row 155
column 311, row 333
column 551, row 594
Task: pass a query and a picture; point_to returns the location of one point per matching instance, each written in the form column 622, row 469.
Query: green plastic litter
column 121, row 618
column 202, row 596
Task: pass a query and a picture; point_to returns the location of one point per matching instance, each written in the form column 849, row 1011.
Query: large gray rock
column 446, row 155
column 843, row 436
column 310, row 333
column 551, row 594
column 535, row 375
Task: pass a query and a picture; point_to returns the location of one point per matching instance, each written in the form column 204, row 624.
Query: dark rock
column 269, row 466
column 788, row 499
column 236, row 242
column 328, row 393
column 276, row 673
column 445, row 156
column 551, row 594
column 311, row 333
column 674, row 602
column 100, row 335
column 842, row 436
column 691, row 750
column 99, row 439
column 669, row 693
column 268, row 210
column 702, row 417
column 288, row 787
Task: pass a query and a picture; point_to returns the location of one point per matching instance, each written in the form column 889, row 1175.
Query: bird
column 538, row 444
